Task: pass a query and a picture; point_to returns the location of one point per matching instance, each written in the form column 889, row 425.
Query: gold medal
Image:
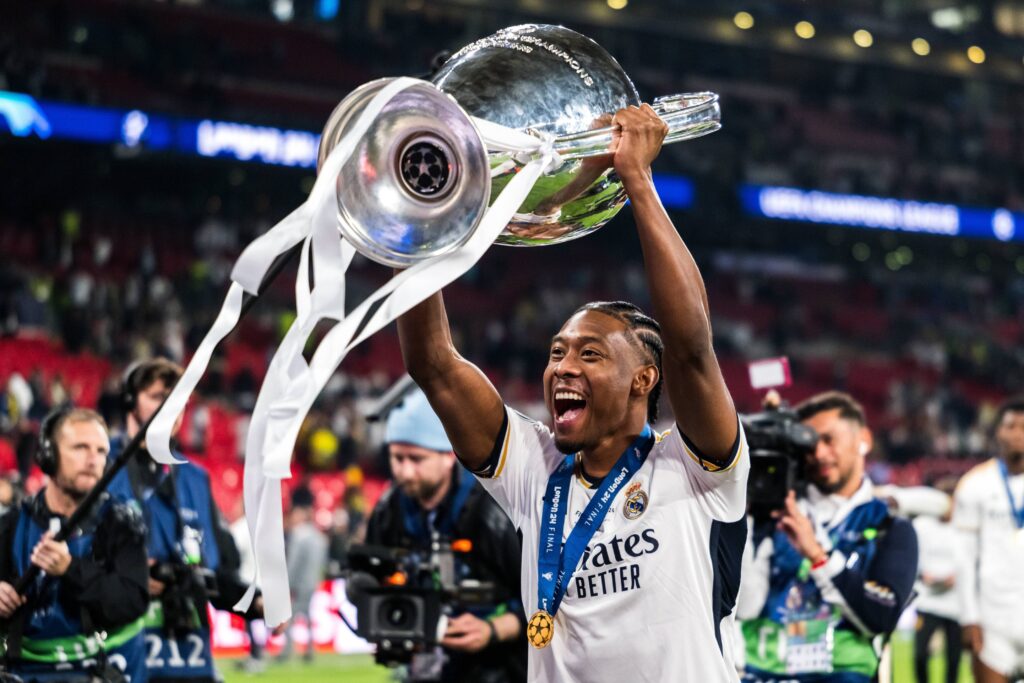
column 541, row 629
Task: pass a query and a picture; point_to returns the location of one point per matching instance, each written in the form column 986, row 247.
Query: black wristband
column 494, row 632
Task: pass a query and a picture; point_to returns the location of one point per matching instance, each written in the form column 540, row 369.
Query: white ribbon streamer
column 253, row 264
column 292, row 384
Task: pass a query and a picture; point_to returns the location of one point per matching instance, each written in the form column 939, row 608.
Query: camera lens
column 398, row 613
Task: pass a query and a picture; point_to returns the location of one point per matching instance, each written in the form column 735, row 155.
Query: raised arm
column 463, row 398
column 700, row 400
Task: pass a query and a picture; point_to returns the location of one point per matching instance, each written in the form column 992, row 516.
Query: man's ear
column 449, row 459
column 645, row 380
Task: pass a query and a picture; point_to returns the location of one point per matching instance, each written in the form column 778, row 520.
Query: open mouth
column 569, row 406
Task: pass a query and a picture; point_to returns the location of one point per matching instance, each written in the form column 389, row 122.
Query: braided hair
column 643, row 329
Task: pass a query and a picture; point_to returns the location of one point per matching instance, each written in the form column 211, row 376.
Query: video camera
column 187, row 588
column 779, row 443
column 404, row 597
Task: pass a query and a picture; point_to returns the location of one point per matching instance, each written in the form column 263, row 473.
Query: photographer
column 832, row 568
column 82, row 617
column 193, row 558
column 433, row 494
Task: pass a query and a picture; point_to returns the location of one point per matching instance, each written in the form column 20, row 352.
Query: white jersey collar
column 829, row 509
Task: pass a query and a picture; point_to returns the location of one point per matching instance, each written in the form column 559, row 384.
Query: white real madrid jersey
column 992, row 592
column 643, row 603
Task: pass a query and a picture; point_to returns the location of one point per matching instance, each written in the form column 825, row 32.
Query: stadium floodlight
column 949, row 18
column 863, row 38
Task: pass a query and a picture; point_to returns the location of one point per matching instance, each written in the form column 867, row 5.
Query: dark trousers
column 255, row 648
column 927, row 624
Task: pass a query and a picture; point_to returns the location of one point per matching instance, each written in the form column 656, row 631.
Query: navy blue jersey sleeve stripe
column 879, row 597
column 487, row 471
column 726, row 544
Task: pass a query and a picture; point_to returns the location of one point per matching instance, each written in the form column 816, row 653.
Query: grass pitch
column 326, row 668
column 330, row 668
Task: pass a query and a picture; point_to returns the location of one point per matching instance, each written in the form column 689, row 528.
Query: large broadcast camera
column 779, row 443
column 404, row 597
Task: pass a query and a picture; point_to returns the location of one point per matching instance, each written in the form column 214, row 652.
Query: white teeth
column 568, row 396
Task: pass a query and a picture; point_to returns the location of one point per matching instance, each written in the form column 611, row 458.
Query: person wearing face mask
column 826, row 579
column 432, row 495
column 988, row 512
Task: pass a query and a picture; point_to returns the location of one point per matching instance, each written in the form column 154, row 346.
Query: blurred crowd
column 845, row 126
column 928, row 346
column 927, row 350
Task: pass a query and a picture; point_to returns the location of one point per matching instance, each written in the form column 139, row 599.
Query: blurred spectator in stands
column 10, row 494
column 110, row 403
column 323, row 449
column 198, row 428
column 355, row 502
column 15, row 402
column 338, row 543
column 58, row 393
column 41, row 397
column 243, row 389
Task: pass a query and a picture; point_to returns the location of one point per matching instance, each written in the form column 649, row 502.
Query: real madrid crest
column 636, row 501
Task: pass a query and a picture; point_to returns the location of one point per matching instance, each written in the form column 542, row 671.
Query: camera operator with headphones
column 830, row 571
column 81, row 619
column 433, row 494
column 193, row 558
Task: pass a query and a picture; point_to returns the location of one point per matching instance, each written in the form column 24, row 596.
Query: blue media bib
column 189, row 655
column 51, row 626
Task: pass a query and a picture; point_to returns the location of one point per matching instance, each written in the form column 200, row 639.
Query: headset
column 47, row 452
column 132, row 377
column 129, row 388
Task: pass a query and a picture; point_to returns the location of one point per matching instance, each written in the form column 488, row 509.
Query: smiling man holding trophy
column 620, row 525
column 531, row 136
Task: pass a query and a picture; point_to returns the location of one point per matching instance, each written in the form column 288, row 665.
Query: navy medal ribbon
column 1017, row 511
column 556, row 563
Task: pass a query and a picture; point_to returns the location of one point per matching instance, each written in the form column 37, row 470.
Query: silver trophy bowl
column 422, row 178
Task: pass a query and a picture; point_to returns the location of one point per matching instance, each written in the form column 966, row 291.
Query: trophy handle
column 688, row 116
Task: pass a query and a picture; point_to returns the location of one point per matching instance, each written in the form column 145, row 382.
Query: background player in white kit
column 661, row 569
column 937, row 601
column 989, row 512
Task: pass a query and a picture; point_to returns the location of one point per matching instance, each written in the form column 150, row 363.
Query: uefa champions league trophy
column 508, row 144
column 428, row 170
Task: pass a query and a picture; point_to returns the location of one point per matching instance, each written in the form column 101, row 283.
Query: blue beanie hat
column 414, row 422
